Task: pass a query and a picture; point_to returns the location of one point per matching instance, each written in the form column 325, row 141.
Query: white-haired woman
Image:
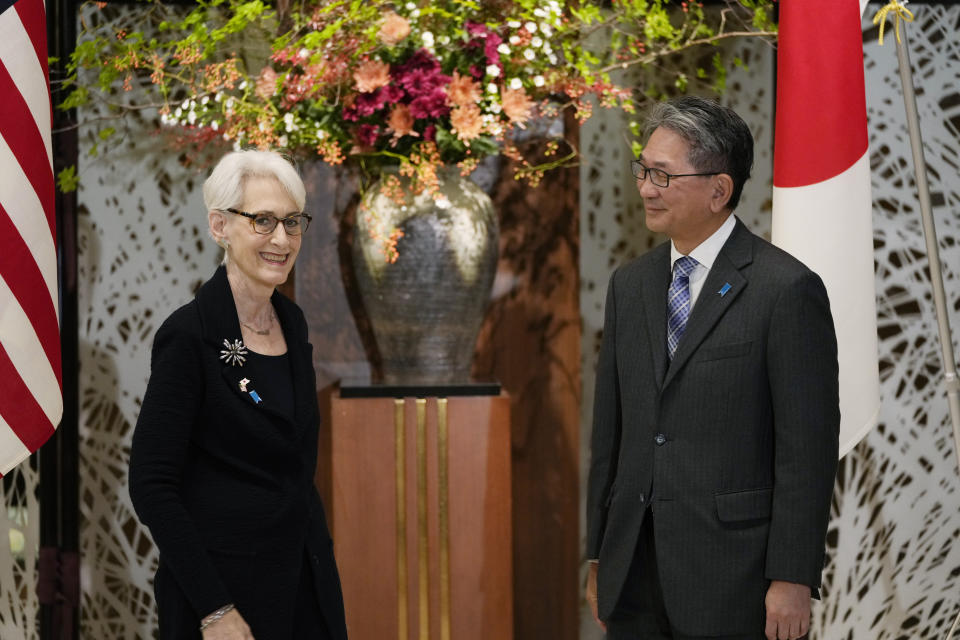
column 225, row 448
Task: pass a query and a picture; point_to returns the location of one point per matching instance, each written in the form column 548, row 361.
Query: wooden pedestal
column 418, row 496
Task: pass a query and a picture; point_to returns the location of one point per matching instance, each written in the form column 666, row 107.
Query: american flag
column 31, row 401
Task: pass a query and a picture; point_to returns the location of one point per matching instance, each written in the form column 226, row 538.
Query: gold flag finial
column 899, row 11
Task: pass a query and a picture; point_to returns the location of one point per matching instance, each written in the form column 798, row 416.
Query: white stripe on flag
column 12, row 448
column 16, row 53
column 828, row 227
column 26, row 353
column 26, row 212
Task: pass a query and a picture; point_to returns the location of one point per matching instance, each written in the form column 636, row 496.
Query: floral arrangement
column 414, row 84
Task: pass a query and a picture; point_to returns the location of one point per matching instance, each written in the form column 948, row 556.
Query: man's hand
column 592, row 593
column 230, row 627
column 788, row 610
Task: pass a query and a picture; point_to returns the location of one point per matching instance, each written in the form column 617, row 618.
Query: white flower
column 288, row 122
column 503, row 49
column 282, row 141
column 304, row 53
column 514, row 40
column 492, row 88
column 215, row 125
column 516, row 83
column 411, row 6
column 192, row 117
column 495, row 129
column 178, row 113
column 205, row 100
column 547, row 48
column 493, row 70
column 444, row 39
column 495, row 108
column 545, row 29
column 415, row 13
column 427, row 38
column 219, row 96
column 540, row 13
column 531, row 27
column 243, row 85
column 552, row 58
column 442, row 202
column 513, row 24
column 539, row 81
column 536, row 42
column 529, row 54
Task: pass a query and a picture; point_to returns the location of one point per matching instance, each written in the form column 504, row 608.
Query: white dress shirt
column 705, row 254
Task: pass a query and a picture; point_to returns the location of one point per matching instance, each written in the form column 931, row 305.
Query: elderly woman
column 224, row 452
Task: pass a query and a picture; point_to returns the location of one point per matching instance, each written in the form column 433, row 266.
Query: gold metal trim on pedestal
column 401, row 456
column 444, row 518
column 423, row 575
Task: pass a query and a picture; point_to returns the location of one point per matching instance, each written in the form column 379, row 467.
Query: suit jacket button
column 660, row 439
column 641, row 497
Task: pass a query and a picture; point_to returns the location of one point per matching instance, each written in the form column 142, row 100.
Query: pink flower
column 367, row 134
column 517, row 105
column 467, row 122
column 372, row 75
column 430, row 105
column 394, row 29
column 463, row 90
column 401, row 121
column 266, row 85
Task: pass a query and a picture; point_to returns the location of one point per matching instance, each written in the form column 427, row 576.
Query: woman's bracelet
column 215, row 616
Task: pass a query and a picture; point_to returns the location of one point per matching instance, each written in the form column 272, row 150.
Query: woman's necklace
column 260, row 332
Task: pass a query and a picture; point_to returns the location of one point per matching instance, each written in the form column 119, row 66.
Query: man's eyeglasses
column 265, row 223
column 659, row 177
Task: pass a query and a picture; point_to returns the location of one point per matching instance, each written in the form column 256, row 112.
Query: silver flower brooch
column 234, row 354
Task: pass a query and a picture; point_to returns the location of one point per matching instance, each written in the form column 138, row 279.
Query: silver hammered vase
column 424, row 265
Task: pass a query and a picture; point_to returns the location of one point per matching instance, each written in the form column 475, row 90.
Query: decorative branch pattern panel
column 893, row 568
column 19, row 543
column 143, row 251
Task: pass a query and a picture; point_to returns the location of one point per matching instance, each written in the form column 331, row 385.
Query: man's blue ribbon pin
column 724, row 289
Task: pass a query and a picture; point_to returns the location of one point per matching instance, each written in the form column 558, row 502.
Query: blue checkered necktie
column 678, row 302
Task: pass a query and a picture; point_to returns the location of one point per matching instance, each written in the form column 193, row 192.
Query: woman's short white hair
column 224, row 188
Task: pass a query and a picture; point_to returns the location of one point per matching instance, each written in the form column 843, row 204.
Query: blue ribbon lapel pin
column 723, row 290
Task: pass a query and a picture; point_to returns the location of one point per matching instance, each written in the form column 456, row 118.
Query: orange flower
column 401, row 121
column 467, row 121
column 372, row 75
column 266, row 84
column 517, row 105
column 394, row 29
column 463, row 90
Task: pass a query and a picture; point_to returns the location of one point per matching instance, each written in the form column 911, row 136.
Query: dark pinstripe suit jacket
column 733, row 445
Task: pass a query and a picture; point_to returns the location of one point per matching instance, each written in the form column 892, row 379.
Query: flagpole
column 951, row 382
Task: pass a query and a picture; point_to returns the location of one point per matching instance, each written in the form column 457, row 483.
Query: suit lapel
column 654, row 299
column 711, row 304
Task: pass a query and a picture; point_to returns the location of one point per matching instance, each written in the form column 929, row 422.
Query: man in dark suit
column 716, row 414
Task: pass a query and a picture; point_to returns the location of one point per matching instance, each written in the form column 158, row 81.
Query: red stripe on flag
column 19, row 408
column 821, row 127
column 21, row 273
column 34, row 20
column 20, row 131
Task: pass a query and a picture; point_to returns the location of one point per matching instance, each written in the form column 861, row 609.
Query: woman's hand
column 231, row 626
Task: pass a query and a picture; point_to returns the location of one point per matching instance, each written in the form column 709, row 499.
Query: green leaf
column 67, row 179
column 106, row 132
